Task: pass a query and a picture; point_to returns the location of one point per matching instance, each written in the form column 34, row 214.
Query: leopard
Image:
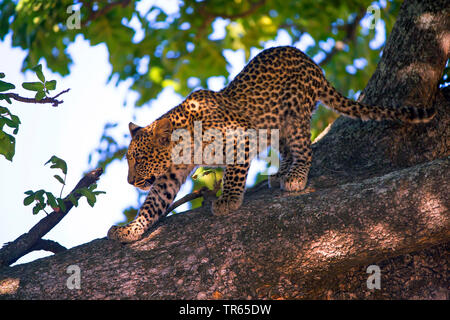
column 278, row 89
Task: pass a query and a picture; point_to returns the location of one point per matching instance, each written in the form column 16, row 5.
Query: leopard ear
column 163, row 127
column 133, row 128
column 163, row 130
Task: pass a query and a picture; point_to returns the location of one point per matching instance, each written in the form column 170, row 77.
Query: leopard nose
column 130, row 180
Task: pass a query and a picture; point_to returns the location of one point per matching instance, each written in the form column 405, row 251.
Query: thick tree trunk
column 378, row 194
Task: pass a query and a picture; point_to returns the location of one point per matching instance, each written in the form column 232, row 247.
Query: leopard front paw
column 292, row 183
column 125, row 234
column 224, row 206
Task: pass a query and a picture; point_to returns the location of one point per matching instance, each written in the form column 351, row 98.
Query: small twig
column 64, row 91
column 209, row 195
column 189, row 197
column 63, row 185
column 47, row 245
column 51, row 100
column 203, row 192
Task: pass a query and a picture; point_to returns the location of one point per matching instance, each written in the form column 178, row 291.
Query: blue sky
column 72, row 130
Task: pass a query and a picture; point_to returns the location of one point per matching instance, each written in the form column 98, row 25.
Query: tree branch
column 382, row 197
column 47, row 245
column 12, row 251
column 51, row 100
column 208, row 195
column 275, row 246
column 203, row 192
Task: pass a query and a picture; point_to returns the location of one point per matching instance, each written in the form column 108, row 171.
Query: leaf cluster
column 7, row 141
column 43, row 199
column 41, row 87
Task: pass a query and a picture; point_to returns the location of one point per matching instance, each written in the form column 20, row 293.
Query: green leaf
column 50, row 85
column 15, row 119
column 2, row 75
column 5, row 97
column 5, row 86
column 36, row 209
column 73, row 199
column 90, row 197
column 57, row 177
column 92, row 187
column 33, row 86
column 4, row 110
column 57, row 163
column 51, row 200
column 9, row 122
column 40, row 95
column 38, row 70
column 13, row 122
column 61, row 204
column 91, row 201
column 39, row 196
column 28, row 200
column 7, row 145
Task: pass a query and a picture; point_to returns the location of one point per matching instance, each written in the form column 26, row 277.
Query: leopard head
column 149, row 154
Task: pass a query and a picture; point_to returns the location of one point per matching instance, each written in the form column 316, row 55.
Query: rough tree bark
column 378, row 194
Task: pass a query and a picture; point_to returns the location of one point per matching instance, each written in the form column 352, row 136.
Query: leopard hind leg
column 298, row 142
column 285, row 164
